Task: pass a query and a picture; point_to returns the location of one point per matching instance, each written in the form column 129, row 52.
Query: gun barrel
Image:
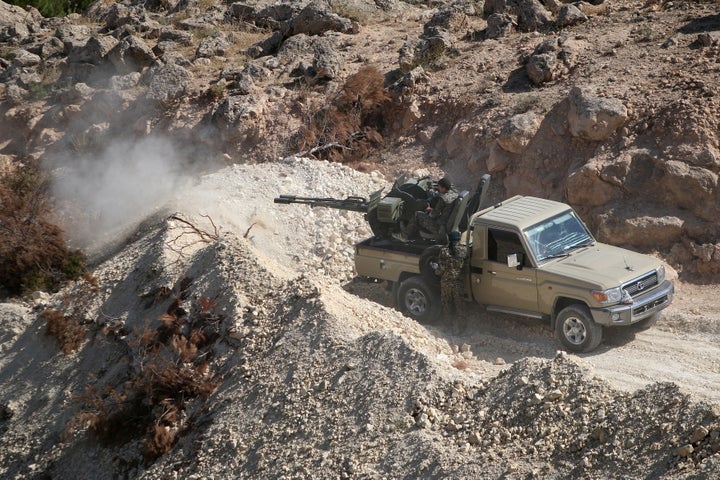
column 352, row 203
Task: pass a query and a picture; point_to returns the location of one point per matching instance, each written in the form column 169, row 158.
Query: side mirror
column 514, row 261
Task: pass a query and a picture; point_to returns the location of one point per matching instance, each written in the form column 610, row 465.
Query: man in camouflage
column 450, row 264
column 438, row 210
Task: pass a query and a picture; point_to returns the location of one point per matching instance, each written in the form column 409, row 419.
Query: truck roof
column 520, row 212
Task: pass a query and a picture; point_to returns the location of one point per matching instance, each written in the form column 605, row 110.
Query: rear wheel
column 417, row 299
column 576, row 329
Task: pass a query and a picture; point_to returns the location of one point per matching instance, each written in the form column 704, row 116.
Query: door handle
column 491, row 272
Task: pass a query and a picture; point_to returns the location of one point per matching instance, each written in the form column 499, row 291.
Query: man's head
column 444, row 184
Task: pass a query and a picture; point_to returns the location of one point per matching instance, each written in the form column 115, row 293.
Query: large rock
column 531, row 14
column 594, row 118
column 499, row 25
column 314, row 57
column 690, row 187
column 450, row 19
column 517, row 131
column 167, row 82
column 317, row 18
column 570, row 15
column 131, row 54
column 551, row 59
column 326, row 61
column 239, row 118
column 585, row 187
column 23, row 58
column 215, row 46
column 94, row 51
column 498, row 159
column 642, row 231
column 73, row 36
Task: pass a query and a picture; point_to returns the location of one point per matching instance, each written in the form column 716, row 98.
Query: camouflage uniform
column 452, row 284
column 435, row 218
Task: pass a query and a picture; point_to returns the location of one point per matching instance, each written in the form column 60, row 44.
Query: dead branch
column 247, row 232
column 189, row 228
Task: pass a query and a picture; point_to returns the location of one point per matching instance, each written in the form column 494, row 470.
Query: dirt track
column 683, row 347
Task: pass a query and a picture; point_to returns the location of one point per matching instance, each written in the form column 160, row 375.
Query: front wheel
column 576, row 329
column 417, row 299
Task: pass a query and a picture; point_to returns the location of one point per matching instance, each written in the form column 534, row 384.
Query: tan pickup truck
column 533, row 257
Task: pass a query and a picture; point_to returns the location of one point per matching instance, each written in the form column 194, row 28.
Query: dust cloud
column 102, row 196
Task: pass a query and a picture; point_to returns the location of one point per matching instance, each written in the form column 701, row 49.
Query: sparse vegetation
column 168, row 367
column 215, row 92
column 33, row 255
column 67, row 329
column 55, row 8
column 353, row 122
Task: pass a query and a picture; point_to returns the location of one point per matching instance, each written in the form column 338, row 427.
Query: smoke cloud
column 115, row 191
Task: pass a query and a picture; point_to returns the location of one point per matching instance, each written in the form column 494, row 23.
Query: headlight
column 660, row 274
column 612, row 295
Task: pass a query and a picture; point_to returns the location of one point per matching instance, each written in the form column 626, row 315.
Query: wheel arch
column 562, row 302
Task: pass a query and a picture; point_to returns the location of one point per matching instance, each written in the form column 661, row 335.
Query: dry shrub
column 354, row 121
column 33, row 255
column 169, row 367
column 67, row 329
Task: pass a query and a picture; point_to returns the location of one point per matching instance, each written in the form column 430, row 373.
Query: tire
column 428, row 264
column 417, row 299
column 576, row 329
column 646, row 323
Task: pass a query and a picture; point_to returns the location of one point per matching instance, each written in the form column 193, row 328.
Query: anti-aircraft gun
column 388, row 214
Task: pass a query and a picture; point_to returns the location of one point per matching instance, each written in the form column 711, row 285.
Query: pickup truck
column 533, row 257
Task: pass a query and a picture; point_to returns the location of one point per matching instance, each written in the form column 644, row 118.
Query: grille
column 649, row 306
column 641, row 284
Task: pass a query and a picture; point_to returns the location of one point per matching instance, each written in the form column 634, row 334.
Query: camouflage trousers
column 451, row 294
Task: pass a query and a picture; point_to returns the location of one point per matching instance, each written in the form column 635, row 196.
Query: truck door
column 493, row 282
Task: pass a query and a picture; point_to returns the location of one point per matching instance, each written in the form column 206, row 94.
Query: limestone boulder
column 94, row 51
column 499, row 25
column 167, row 82
column 650, row 232
column 569, row 15
column 131, row 54
column 517, row 132
column 586, row 187
column 594, row 118
column 317, row 18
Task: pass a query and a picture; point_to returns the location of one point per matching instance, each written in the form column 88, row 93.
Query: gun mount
column 387, row 214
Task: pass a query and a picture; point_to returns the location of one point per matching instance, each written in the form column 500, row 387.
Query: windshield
column 557, row 236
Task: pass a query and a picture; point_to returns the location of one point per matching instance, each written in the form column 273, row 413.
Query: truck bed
column 387, row 259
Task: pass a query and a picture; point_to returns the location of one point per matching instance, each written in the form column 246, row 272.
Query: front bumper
column 642, row 307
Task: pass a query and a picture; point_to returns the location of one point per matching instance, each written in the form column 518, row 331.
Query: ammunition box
column 389, row 209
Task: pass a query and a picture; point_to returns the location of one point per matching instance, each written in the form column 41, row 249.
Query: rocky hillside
column 610, row 106
column 221, row 336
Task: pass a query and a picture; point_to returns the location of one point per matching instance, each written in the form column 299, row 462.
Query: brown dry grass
column 353, row 122
column 168, row 368
column 33, row 255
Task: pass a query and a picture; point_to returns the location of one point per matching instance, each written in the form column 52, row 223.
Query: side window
column 501, row 243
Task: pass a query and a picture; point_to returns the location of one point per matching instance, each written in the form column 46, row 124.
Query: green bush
column 54, row 8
